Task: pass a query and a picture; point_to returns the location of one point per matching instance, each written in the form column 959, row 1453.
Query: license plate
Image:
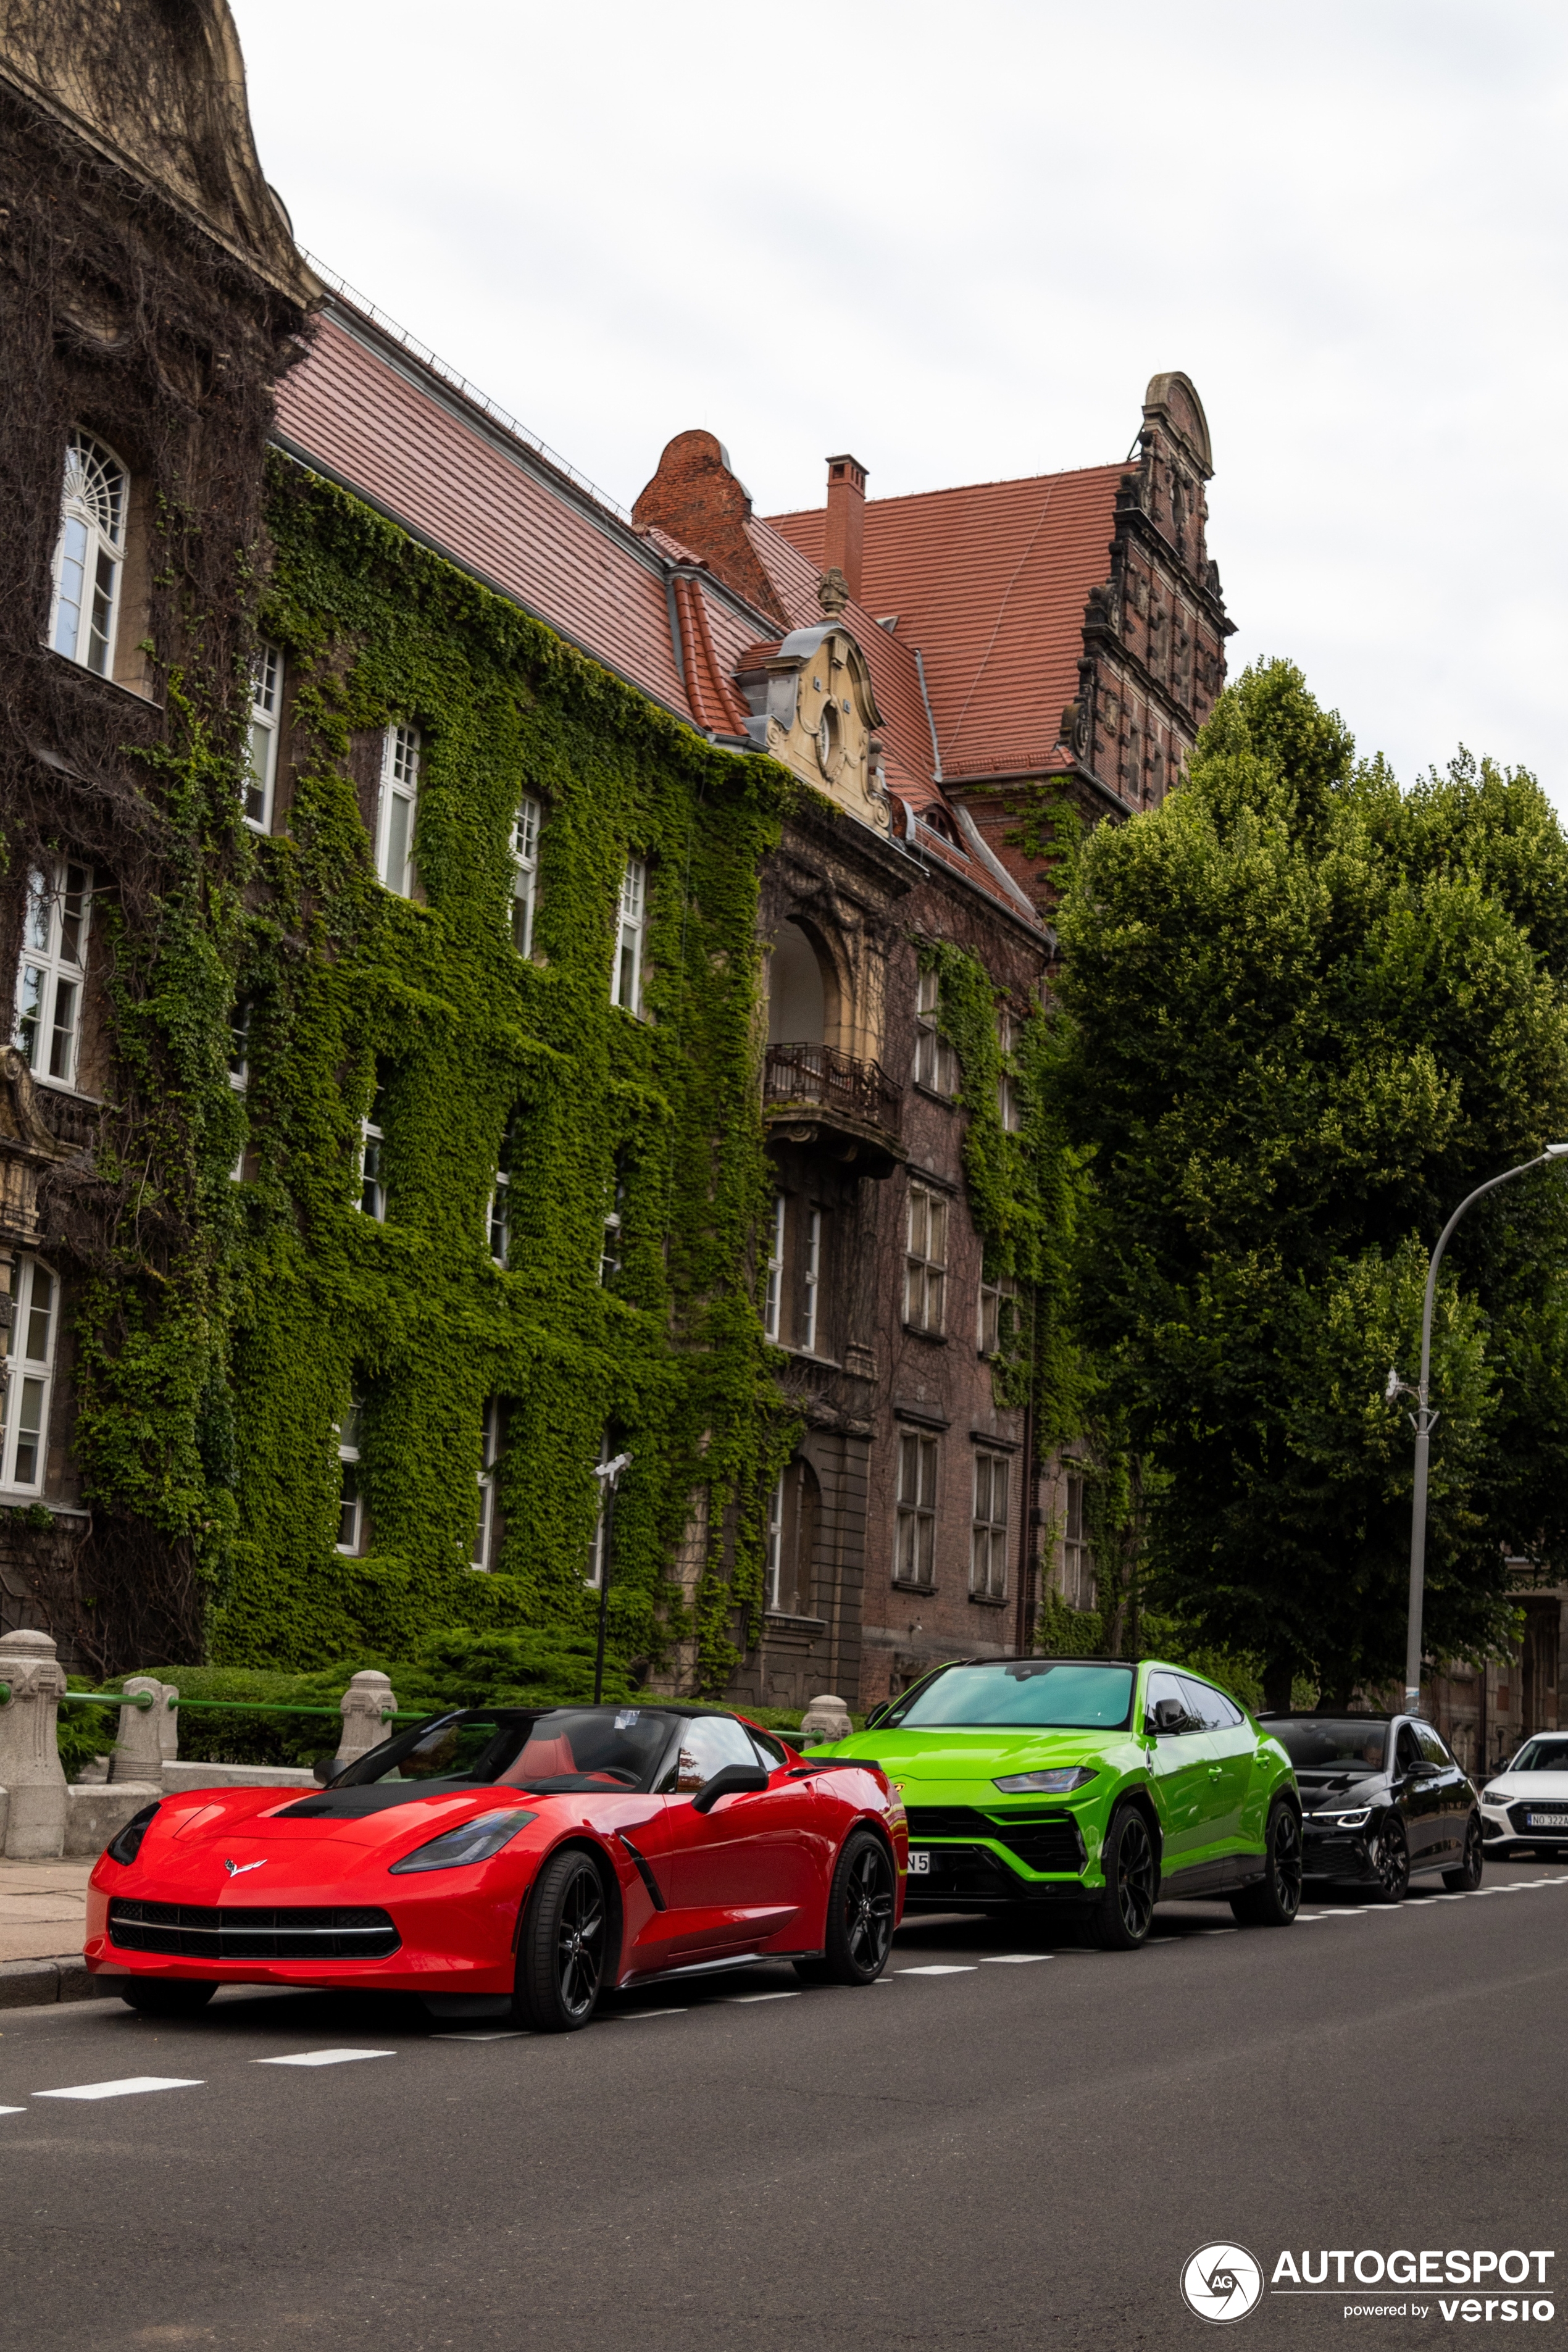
column 1547, row 1820
column 920, row 1860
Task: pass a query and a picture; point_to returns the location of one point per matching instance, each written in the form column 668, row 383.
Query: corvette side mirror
column 324, row 1769
column 732, row 1780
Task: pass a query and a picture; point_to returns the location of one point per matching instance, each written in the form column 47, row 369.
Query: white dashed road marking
column 125, row 2088
column 1013, row 1960
column 636, row 2016
column 322, row 2057
column 509, row 2033
column 940, row 1969
column 736, row 1999
column 13, row 2111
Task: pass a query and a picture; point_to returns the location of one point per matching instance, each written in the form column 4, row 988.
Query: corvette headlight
column 1348, row 1821
column 1055, row 1783
column 127, row 1845
column 477, row 1840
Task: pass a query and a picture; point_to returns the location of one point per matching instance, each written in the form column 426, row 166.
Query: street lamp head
column 1556, row 1150
column 1391, row 1388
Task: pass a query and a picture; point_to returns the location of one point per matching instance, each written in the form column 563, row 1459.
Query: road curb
column 37, row 1984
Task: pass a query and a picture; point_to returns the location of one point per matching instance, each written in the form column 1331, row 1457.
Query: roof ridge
column 952, row 489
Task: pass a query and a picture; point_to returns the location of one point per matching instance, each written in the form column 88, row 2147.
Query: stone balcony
column 849, row 1108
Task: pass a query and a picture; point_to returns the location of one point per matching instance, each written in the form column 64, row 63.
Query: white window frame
column 26, row 1374
column 631, row 922
column 239, row 1069
column 54, row 959
column 90, row 554
column 1078, row 1552
column 925, row 1259
column 490, row 1447
column 372, row 1138
column 266, row 709
column 524, row 847
column 773, row 1273
column 609, row 1263
column 498, row 1218
column 989, row 1524
column 914, row 1538
column 401, row 753
column 988, row 1330
column 348, row 1435
column 811, row 1280
column 774, row 1568
column 936, row 1066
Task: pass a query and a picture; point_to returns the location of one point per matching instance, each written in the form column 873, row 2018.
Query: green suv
column 1091, row 1784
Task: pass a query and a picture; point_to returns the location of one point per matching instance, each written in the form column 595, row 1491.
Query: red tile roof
column 990, row 583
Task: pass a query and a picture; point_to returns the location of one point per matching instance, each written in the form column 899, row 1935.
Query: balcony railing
column 861, row 1093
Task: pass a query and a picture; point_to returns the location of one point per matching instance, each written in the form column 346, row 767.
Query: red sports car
column 509, row 1860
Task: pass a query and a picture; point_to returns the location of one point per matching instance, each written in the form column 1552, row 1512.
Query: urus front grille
column 1041, row 1841
column 194, row 1931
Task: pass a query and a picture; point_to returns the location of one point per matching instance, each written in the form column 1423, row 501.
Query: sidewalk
column 42, row 1907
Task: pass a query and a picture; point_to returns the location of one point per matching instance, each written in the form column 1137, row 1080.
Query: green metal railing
column 144, row 1699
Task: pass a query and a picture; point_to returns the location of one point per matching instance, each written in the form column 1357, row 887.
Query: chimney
column 844, row 542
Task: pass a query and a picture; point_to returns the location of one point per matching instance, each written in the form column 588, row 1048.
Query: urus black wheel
column 1393, row 1860
column 1120, row 1921
column 1277, row 1898
column 859, row 1931
column 562, row 1955
column 1467, row 1877
column 166, row 1996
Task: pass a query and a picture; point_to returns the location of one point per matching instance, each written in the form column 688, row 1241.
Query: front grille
column 1519, row 1817
column 194, row 1931
column 962, row 1870
column 1040, row 1841
column 1323, row 1857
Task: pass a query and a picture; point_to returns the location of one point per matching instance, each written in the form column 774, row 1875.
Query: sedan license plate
column 920, row 1860
column 1547, row 1820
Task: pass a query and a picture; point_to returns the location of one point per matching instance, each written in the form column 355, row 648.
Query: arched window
column 88, row 557
column 797, row 1005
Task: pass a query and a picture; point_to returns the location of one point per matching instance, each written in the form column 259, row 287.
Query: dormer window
column 89, row 554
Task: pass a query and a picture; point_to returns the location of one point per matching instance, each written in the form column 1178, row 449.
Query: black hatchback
column 1383, row 1800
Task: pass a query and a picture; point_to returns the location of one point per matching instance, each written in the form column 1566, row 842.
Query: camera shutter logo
column 1222, row 2282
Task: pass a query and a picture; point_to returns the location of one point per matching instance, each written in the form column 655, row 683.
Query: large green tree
column 1306, row 1013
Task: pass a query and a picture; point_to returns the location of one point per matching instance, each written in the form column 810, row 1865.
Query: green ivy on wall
column 246, row 1365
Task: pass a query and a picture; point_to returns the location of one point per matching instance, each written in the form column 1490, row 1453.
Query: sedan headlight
column 477, row 1840
column 1495, row 1798
column 127, row 1845
column 1054, row 1782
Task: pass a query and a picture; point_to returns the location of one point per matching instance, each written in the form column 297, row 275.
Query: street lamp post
column 608, row 1473
column 1424, row 1421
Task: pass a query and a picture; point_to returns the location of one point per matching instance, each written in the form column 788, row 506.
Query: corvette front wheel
column 166, row 1996
column 1120, row 1921
column 562, row 1955
column 859, row 1916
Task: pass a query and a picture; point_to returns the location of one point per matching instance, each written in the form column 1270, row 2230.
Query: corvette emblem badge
column 238, row 1869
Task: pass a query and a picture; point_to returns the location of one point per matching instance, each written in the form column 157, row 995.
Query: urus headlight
column 127, row 1845
column 1053, row 1783
column 477, row 1840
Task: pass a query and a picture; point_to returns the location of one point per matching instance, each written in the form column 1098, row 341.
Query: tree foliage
column 1306, row 1014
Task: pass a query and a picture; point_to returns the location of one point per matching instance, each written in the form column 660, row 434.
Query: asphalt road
column 1002, row 2144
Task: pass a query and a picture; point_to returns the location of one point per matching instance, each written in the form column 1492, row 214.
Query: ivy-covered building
column 504, row 983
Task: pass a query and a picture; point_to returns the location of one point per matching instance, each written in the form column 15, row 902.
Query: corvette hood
column 977, row 1755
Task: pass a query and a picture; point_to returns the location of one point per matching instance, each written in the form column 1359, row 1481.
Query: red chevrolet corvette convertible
column 507, row 1860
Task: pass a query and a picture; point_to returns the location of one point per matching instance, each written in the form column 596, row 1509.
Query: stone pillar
column 29, row 1748
column 364, row 1725
column 826, row 1717
column 167, row 1718
column 139, row 1748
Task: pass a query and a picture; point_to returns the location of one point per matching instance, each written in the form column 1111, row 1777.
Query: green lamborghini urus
column 1091, row 1784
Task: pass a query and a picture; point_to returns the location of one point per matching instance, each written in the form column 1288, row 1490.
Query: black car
column 1383, row 1800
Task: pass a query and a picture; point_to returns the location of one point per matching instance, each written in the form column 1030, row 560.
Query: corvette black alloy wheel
column 859, row 1916
column 562, row 1955
column 1275, row 1899
column 1393, row 1860
column 1119, row 1920
column 1467, row 1877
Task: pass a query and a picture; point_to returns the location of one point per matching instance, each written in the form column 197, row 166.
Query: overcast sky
column 959, row 241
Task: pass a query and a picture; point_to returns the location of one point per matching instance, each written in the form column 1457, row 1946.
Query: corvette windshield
column 555, row 1752
column 1542, row 1756
column 1326, row 1745
column 1061, row 1694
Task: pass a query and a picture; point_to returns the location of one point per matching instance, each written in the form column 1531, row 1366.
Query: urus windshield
column 1058, row 1694
column 1323, row 1745
column 553, row 1752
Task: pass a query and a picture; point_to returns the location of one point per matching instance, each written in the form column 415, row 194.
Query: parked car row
column 522, row 1862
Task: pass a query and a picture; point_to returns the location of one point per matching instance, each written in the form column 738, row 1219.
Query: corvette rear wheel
column 166, row 1996
column 1393, row 1860
column 562, row 1955
column 1467, row 1877
column 859, row 1916
column 1120, row 1921
column 1275, row 1899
